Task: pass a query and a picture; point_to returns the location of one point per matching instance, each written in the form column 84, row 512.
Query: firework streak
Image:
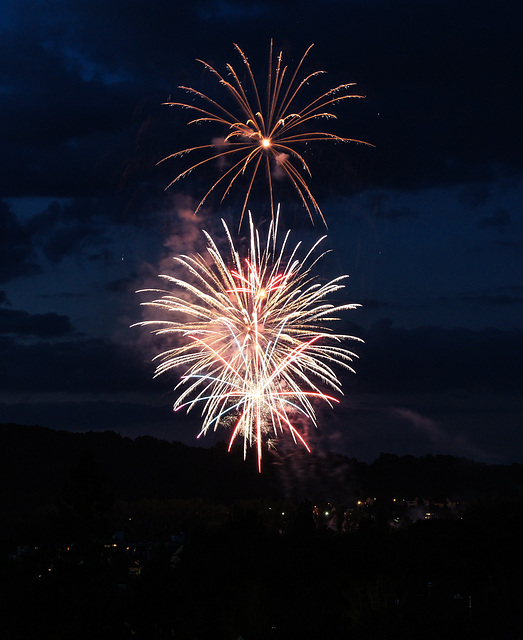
column 257, row 135
column 252, row 337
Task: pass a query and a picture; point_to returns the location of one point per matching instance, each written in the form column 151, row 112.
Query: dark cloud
column 499, row 218
column 391, row 359
column 62, row 295
column 72, row 228
column 514, row 246
column 124, row 285
column 375, row 305
column 232, row 11
column 80, row 79
column 395, row 213
column 41, row 325
column 475, row 195
column 61, row 130
column 3, row 298
column 379, row 204
column 130, row 418
column 434, row 358
column 478, row 429
column 72, row 366
column 496, row 299
column 17, row 256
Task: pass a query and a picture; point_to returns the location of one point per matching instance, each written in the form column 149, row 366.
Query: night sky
column 428, row 222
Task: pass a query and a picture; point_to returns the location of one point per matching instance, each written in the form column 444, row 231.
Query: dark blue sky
column 428, row 224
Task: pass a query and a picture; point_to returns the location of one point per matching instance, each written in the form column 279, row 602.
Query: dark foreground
column 438, row 579
column 85, row 555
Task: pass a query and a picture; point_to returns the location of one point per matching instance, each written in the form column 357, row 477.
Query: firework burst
column 252, row 337
column 264, row 135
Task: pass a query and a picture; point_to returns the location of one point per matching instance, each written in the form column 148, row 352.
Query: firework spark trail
column 258, row 136
column 255, row 343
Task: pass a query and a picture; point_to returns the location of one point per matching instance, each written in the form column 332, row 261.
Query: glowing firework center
column 254, row 343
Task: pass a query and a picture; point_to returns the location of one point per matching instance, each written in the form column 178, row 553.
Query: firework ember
column 252, row 336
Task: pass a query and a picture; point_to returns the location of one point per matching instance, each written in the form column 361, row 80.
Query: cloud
column 76, row 76
column 378, row 204
column 476, row 424
column 495, row 299
column 130, row 418
column 511, row 245
column 17, row 256
column 439, row 438
column 72, row 366
column 63, row 295
column 41, row 325
column 396, row 213
column 123, row 285
column 87, row 227
column 475, row 195
column 499, row 218
column 67, row 228
column 221, row 10
column 435, row 359
column 375, row 305
column 3, row 298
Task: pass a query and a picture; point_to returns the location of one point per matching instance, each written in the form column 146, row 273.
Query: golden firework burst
column 257, row 135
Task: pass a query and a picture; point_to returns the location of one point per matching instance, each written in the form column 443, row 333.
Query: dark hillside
column 108, row 537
